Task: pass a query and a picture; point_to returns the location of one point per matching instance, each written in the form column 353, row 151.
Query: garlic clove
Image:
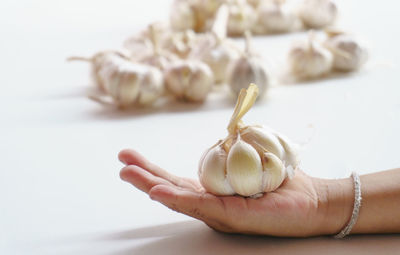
column 126, row 89
column 290, row 158
column 212, row 171
column 317, row 13
column 309, row 59
column 244, row 169
column 273, row 172
column 262, row 140
column 151, row 87
column 131, row 83
column 189, row 80
column 348, row 53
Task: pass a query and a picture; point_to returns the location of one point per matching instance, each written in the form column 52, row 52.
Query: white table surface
column 60, row 192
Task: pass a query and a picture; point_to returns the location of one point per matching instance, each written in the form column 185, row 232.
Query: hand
column 297, row 208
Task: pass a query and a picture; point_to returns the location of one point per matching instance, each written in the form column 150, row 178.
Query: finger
column 140, row 178
column 132, row 157
column 202, row 206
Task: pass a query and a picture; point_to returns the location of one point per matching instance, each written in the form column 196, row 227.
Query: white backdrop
column 60, row 191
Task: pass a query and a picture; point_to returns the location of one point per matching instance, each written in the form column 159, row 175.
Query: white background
column 60, row 192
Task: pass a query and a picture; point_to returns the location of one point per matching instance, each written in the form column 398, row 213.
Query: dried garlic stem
column 154, row 40
column 246, row 99
column 248, row 45
column 221, row 21
column 78, row 58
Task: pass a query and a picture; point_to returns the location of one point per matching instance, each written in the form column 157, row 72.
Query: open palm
column 291, row 210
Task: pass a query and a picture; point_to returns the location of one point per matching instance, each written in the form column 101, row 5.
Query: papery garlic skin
column 317, row 13
column 275, row 18
column 189, row 80
column 309, row 60
column 244, row 169
column 348, row 53
column 212, row 172
column 131, row 83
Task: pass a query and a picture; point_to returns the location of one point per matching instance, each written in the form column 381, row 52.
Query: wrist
column 335, row 204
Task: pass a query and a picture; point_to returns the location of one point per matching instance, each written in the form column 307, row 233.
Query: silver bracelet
column 356, row 209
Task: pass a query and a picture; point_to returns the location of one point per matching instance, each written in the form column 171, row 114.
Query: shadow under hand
column 194, row 237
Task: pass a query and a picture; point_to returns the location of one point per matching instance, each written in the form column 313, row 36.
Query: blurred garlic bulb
column 189, row 80
column 157, row 58
column 126, row 82
column 241, row 17
column 248, row 69
column 349, row 54
column 181, row 43
column 251, row 160
column 140, row 44
column 217, row 51
column 309, row 59
column 317, row 13
column 182, row 15
column 97, row 63
column 276, row 17
column 193, row 14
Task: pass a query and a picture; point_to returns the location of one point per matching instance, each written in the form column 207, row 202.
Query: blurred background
column 60, row 191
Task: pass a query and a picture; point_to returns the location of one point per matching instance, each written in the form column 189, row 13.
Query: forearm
column 380, row 206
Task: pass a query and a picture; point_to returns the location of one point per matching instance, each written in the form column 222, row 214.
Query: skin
column 303, row 206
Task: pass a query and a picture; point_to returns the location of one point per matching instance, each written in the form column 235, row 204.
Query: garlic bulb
column 189, row 80
column 157, row 58
column 317, row 13
column 181, row 43
column 193, row 14
column 217, row 51
column 275, row 17
column 309, row 59
column 248, row 69
column 126, row 82
column 241, row 17
column 349, row 54
column 251, row 160
column 140, row 45
column 97, row 63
